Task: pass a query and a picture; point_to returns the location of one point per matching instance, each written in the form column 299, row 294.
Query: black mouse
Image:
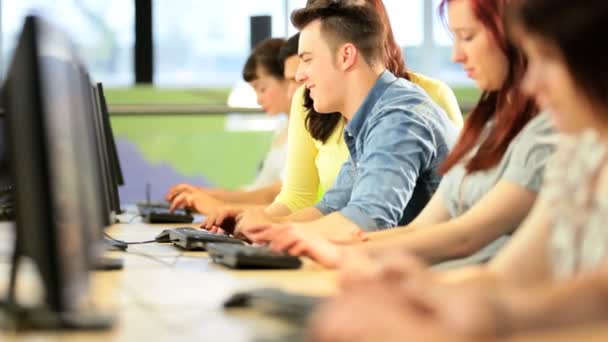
column 163, row 236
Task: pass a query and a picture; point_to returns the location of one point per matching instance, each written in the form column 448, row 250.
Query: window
column 101, row 29
column 407, row 21
column 209, row 43
column 205, row 43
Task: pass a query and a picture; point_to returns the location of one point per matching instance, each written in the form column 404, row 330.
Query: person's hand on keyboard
column 290, row 238
column 181, row 188
column 196, row 200
column 252, row 219
column 222, row 220
column 185, row 188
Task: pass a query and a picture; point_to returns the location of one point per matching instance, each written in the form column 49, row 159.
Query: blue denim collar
column 385, row 79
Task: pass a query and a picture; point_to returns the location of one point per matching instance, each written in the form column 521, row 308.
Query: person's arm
column 579, row 300
column 597, row 332
column 277, row 209
column 397, row 147
column 260, row 196
column 333, row 200
column 303, row 215
column 524, row 259
column 301, row 184
column 496, row 214
column 433, row 213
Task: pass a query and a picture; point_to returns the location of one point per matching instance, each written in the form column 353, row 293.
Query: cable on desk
column 128, row 243
column 157, row 259
column 133, row 218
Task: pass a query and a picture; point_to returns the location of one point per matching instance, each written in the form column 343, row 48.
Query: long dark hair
column 321, row 125
column 508, row 105
column 578, row 30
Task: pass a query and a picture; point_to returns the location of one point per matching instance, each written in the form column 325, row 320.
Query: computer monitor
column 120, row 180
column 109, row 159
column 5, row 180
column 6, row 183
column 96, row 207
column 92, row 119
column 53, row 169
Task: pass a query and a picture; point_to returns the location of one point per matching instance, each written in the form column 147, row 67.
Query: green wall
column 199, row 145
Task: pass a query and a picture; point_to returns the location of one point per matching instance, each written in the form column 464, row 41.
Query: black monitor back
column 50, row 162
column 120, row 180
column 106, row 142
column 100, row 157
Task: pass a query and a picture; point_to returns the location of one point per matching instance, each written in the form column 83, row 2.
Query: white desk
column 164, row 293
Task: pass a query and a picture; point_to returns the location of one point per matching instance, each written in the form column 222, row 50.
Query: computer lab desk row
column 164, row 293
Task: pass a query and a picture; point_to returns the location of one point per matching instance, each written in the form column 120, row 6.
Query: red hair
column 508, row 106
column 393, row 55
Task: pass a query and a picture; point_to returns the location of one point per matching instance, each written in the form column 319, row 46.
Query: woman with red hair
column 492, row 176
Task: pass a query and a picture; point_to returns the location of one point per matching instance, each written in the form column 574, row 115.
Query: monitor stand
column 107, row 264
column 20, row 319
column 16, row 317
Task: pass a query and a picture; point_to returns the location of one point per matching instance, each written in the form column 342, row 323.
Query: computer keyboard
column 166, row 216
column 244, row 256
column 285, row 305
column 194, row 239
column 144, row 207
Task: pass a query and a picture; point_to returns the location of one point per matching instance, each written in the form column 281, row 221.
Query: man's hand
column 222, row 219
column 253, row 219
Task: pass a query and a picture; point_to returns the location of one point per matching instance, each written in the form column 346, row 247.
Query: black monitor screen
column 48, row 146
column 117, row 169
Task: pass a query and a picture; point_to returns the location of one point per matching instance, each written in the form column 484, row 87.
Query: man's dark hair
column 290, row 48
column 346, row 21
column 265, row 55
column 342, row 21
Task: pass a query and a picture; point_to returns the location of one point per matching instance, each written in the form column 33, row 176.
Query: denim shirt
column 397, row 140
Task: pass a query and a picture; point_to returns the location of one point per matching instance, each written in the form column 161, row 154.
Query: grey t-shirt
column 523, row 163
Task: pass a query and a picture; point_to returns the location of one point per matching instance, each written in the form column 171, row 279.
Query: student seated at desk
column 270, row 70
column 316, row 149
column 396, row 135
column 554, row 272
column 491, row 178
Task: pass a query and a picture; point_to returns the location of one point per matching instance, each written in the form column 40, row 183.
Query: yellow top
column 312, row 166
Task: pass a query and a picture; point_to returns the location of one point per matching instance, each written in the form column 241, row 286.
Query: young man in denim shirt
column 396, row 135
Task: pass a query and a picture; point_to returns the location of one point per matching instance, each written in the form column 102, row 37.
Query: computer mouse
column 163, row 236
